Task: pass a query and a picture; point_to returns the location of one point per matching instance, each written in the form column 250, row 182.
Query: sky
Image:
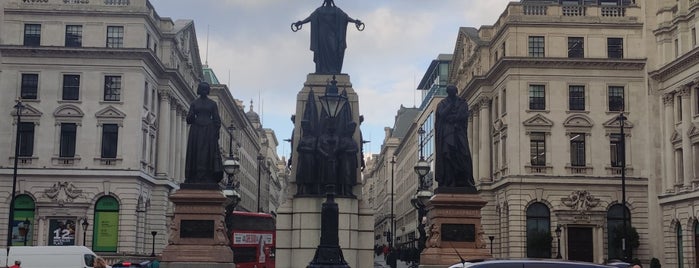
column 251, row 48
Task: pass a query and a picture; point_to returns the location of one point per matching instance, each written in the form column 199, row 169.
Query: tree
column 632, row 239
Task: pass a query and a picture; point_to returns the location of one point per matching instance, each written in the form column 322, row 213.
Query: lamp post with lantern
column 423, row 193
column 10, row 221
column 85, row 224
column 558, row 237
column 328, row 253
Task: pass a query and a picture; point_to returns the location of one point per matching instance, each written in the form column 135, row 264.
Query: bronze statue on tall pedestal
column 328, row 36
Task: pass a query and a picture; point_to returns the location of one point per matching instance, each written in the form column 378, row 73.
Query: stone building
column 103, row 132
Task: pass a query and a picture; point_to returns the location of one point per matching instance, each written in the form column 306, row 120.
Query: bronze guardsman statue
column 328, row 36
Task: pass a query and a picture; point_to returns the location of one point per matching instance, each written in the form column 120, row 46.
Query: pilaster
column 163, row 135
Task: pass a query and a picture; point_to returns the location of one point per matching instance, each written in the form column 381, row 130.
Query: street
column 380, row 262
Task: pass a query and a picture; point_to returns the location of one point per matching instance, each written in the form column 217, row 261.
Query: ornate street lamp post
column 329, row 254
column 558, row 236
column 491, row 237
column 153, row 233
column 85, row 224
column 26, row 230
column 423, row 194
column 10, row 222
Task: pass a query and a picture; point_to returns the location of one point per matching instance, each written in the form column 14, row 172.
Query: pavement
column 380, row 262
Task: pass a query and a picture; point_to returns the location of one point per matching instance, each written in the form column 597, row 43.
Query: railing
column 76, row 1
column 536, row 10
column 573, row 11
column 35, row 1
column 116, row 2
column 613, row 11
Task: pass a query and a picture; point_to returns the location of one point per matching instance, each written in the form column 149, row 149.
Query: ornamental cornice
column 677, row 66
column 507, row 63
column 684, row 91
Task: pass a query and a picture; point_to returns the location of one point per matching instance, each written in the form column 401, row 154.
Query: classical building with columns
column 102, row 134
column 546, row 85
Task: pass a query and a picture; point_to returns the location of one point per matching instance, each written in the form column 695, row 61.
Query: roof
column 426, row 81
column 209, row 75
column 404, row 118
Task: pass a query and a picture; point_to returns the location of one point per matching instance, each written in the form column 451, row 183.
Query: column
column 178, row 144
column 688, row 163
column 183, row 140
column 484, row 152
column 163, row 135
column 476, row 140
column 668, row 129
column 469, row 132
column 173, row 138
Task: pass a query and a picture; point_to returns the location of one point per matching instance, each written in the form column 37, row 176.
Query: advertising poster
column 106, row 231
column 61, row 232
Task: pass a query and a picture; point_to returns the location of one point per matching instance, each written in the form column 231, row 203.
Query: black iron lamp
column 26, row 229
column 558, row 237
column 10, row 221
column 153, row 233
column 85, row 224
column 492, row 237
column 332, row 101
column 423, row 194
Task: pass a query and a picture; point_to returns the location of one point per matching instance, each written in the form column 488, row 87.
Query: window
column 577, row 150
column 575, row 47
column 67, row 146
column 538, row 231
column 74, row 35
column 677, row 47
column 536, row 46
column 537, row 147
column 112, row 88
column 537, row 97
column 615, row 149
column 504, row 101
column 24, row 211
column 694, row 37
column 679, row 247
column 147, row 40
column 615, row 48
column 110, row 134
column 71, row 87
column 146, row 90
column 32, row 34
column 26, row 138
column 30, row 86
column 616, row 98
column 115, row 36
column 615, row 223
column 576, row 98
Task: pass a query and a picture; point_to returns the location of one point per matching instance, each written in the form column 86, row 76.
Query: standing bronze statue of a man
column 203, row 164
column 328, row 36
column 453, row 166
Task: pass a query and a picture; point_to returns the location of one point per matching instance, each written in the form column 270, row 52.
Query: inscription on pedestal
column 459, row 232
column 196, row 229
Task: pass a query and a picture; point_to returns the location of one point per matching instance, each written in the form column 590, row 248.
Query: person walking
column 101, row 263
column 18, row 263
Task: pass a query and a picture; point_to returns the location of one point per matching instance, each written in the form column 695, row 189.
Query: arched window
column 105, row 229
column 680, row 255
column 538, row 231
column 23, row 221
column 696, row 240
column 615, row 226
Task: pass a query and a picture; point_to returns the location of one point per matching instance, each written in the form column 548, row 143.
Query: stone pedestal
column 299, row 217
column 198, row 236
column 454, row 226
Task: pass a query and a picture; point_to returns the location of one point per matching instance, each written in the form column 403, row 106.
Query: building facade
column 102, row 134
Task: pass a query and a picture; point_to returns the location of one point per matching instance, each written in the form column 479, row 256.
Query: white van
column 52, row 257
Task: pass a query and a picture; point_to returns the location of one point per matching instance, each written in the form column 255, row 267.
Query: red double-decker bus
column 253, row 239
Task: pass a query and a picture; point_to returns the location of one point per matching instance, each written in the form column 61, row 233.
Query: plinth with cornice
column 198, row 236
column 454, row 230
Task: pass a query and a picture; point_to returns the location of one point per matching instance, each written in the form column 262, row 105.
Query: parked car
column 619, row 264
column 527, row 263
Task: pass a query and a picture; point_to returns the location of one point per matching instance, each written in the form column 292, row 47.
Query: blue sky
column 252, row 41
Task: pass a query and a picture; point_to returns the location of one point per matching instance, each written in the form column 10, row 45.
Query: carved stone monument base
column 198, row 236
column 454, row 226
